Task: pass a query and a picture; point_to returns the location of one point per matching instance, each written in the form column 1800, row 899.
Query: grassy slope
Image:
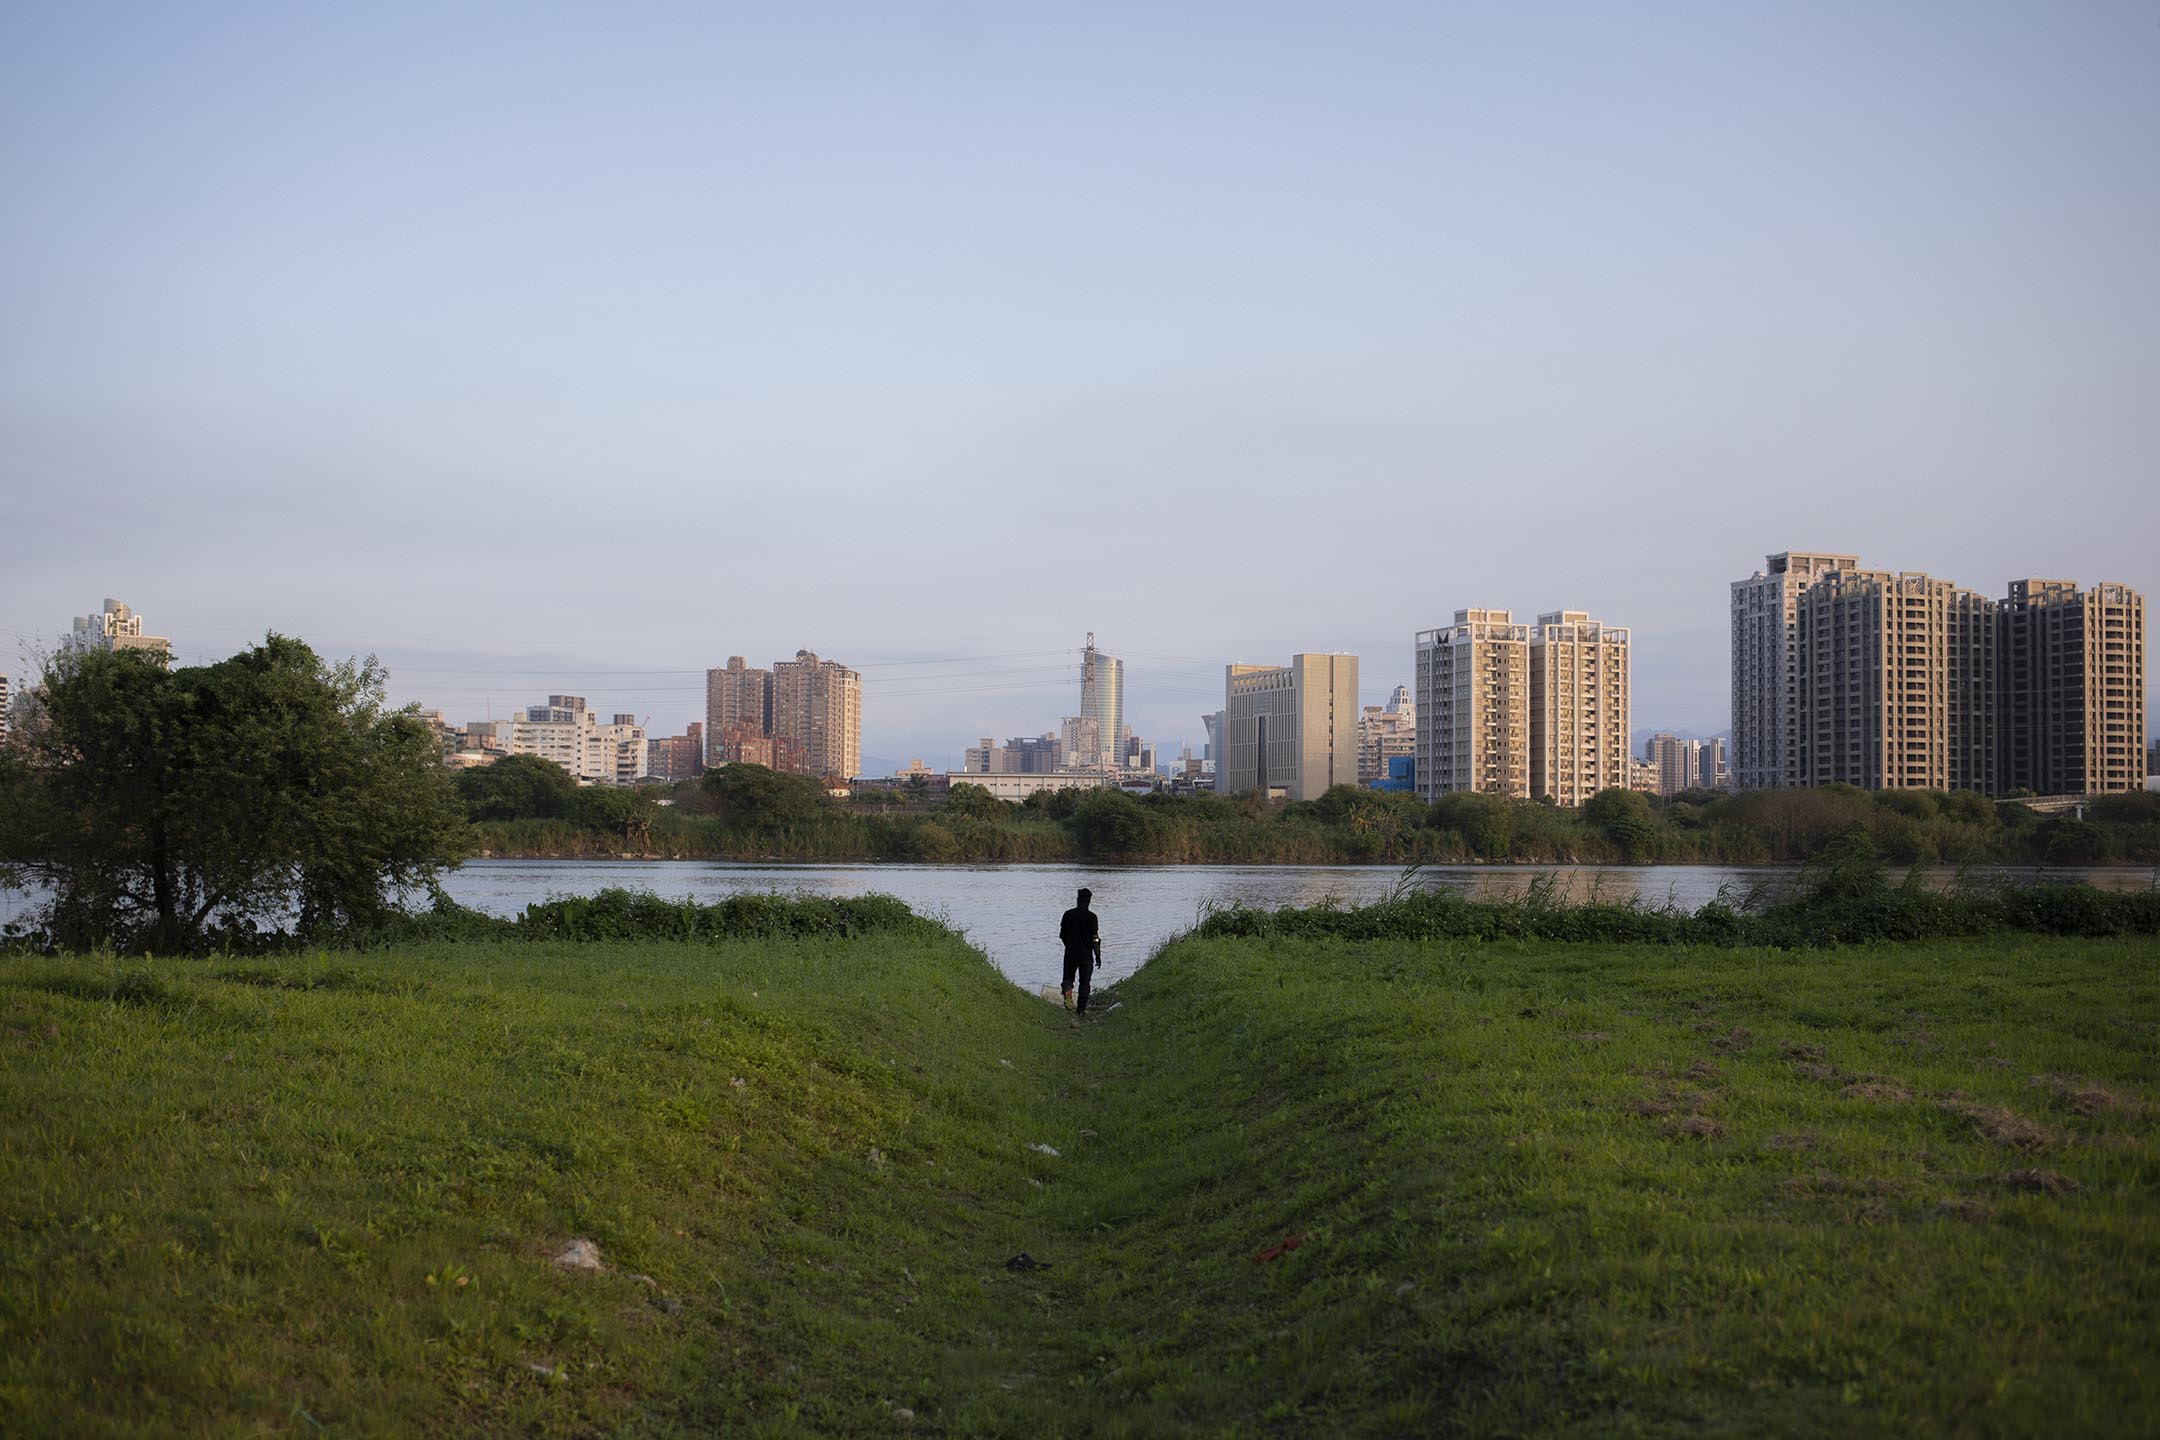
column 1545, row 1188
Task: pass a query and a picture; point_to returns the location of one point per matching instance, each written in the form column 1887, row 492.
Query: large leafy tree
column 517, row 787
column 753, row 797
column 164, row 809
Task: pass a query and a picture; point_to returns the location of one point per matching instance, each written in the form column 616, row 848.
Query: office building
column 735, row 697
column 1021, row 755
column 1102, row 703
column 116, row 627
column 1764, row 670
column 1289, row 728
column 1384, row 732
column 817, row 708
column 1710, row 769
column 2074, row 687
column 1579, row 707
column 1473, row 704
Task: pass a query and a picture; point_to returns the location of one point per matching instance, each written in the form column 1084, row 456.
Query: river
column 1011, row 911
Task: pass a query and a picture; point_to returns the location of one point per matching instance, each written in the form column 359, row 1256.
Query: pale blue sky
column 523, row 345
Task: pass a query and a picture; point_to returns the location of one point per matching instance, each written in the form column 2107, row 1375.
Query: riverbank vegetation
column 1293, row 1183
column 745, row 812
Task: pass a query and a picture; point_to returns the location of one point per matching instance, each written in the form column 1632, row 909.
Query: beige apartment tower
column 1578, row 707
column 817, row 706
column 1292, row 728
column 1473, row 701
column 1895, row 684
column 734, row 697
column 2074, row 681
column 1765, row 669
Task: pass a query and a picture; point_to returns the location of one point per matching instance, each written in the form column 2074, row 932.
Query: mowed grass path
column 1502, row 1189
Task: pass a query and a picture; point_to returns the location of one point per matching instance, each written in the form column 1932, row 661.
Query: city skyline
column 951, row 336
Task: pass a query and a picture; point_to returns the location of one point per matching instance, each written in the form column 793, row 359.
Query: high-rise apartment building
column 1289, row 727
column 116, row 627
column 7, row 704
column 1764, row 668
column 1895, row 683
column 1102, row 700
column 735, row 697
column 1384, row 733
column 1473, row 701
column 2074, row 686
column 817, row 706
column 1672, row 762
column 1579, row 707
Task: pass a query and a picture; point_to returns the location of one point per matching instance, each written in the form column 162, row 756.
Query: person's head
column 1085, row 896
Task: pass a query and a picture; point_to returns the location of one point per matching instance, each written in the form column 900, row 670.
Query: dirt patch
column 1650, row 1107
column 1877, row 1089
column 2036, row 1182
column 1963, row 1207
column 1825, row 1182
column 1791, row 1142
column 1793, row 1050
column 2081, row 1097
column 1694, row 1127
column 1829, row 1074
column 2004, row 1127
column 1593, row 1037
column 1732, row 1041
column 1703, row 1070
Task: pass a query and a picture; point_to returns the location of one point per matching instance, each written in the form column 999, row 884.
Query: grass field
column 1499, row 1188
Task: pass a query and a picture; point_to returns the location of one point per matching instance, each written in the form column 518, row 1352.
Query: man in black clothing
column 1083, row 949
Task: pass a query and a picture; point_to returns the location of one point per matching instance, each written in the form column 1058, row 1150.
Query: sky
column 576, row 348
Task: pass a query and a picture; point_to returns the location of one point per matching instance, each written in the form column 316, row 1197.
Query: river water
column 1011, row 911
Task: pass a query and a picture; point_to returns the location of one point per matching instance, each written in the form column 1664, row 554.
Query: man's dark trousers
column 1083, row 966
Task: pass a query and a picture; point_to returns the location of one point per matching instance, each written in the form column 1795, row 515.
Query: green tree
column 170, row 809
column 974, row 800
column 1110, row 822
column 517, row 787
column 1623, row 817
column 627, row 813
column 752, row 797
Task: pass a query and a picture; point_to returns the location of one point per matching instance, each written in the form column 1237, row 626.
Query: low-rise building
column 564, row 731
column 1017, row 787
column 677, row 757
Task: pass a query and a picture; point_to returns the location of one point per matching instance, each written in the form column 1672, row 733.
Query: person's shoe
column 1068, row 998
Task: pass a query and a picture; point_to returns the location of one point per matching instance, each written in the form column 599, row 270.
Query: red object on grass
column 1281, row 1248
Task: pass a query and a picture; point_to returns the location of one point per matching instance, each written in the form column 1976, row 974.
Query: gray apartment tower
column 2074, row 685
column 1764, row 666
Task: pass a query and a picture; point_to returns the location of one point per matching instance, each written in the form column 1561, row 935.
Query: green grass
column 1546, row 1189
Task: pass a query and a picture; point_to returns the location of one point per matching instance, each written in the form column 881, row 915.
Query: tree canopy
column 174, row 809
column 517, row 787
column 755, row 797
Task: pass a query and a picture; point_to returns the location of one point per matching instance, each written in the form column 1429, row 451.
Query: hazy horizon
column 541, row 350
